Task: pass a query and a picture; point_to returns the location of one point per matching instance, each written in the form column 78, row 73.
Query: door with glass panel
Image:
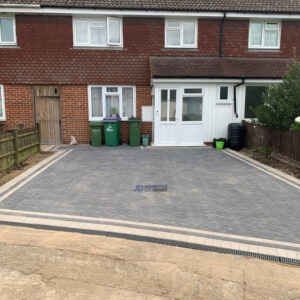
column 191, row 117
column 168, row 132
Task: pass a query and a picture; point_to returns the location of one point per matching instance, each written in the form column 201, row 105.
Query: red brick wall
column 44, row 32
column 235, row 42
column 74, row 104
column 18, row 106
column 46, row 54
column 74, row 110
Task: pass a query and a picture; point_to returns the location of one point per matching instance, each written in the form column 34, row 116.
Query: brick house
column 187, row 68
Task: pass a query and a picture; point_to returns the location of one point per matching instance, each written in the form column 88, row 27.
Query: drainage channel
column 160, row 241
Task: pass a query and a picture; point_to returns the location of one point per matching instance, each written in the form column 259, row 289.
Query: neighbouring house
column 187, row 68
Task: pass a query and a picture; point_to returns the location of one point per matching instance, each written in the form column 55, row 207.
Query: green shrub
column 267, row 151
column 295, row 126
column 281, row 103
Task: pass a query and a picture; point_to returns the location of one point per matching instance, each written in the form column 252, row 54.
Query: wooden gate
column 47, row 113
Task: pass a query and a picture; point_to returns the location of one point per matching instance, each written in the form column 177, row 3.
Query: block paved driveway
column 207, row 190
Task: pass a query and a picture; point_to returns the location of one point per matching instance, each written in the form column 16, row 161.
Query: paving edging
column 17, row 182
column 267, row 169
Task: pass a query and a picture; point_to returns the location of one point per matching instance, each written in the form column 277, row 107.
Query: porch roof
column 217, row 67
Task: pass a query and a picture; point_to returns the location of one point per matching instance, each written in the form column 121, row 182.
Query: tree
column 281, row 103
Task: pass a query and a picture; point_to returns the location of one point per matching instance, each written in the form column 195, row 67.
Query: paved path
column 206, row 190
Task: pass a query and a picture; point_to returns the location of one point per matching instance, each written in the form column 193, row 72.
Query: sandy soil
column 272, row 162
column 40, row 264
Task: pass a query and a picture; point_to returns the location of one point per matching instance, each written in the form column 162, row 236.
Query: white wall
column 217, row 115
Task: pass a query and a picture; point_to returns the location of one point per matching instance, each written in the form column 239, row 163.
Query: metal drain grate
column 161, row 241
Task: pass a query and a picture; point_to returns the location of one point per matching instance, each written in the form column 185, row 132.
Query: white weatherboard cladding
column 215, row 115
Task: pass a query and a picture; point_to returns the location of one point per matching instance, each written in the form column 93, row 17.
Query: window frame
column 121, row 31
column 181, row 44
column 14, row 30
column 262, row 46
column 258, row 84
column 104, row 94
column 229, row 95
column 2, row 103
column 192, row 95
column 89, row 43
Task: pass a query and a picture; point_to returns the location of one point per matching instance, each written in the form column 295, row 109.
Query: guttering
column 20, row 5
column 221, row 35
column 51, row 10
column 218, row 77
column 215, row 80
column 234, row 96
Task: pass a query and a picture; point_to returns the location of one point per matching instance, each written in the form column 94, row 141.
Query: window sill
column 191, row 122
column 264, row 50
column 180, row 49
column 226, row 102
column 97, row 48
column 102, row 120
column 9, row 46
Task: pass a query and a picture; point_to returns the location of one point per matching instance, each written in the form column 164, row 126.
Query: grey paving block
column 207, row 190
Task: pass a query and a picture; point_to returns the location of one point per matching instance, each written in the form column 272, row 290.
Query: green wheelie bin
column 134, row 131
column 96, row 133
column 112, row 131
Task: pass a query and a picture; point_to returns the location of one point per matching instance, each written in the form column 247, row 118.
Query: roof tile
column 216, row 67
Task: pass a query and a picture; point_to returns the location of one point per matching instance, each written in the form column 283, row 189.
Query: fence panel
column 7, row 151
column 295, row 148
column 284, row 143
column 17, row 146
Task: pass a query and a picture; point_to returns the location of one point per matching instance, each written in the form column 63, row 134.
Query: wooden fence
column 285, row 144
column 17, row 146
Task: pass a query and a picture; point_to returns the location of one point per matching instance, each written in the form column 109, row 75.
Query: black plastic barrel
column 236, row 136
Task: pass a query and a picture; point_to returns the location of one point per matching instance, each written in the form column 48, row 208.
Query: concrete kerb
column 269, row 170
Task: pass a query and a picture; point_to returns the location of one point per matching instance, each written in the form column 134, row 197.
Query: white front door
column 167, row 116
column 178, row 116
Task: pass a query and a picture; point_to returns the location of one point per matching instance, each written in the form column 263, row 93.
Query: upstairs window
column 264, row 35
column 107, row 101
column 7, row 30
column 102, row 32
column 2, row 106
column 181, row 34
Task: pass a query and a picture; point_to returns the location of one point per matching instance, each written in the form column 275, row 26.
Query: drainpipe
column 234, row 96
column 221, row 35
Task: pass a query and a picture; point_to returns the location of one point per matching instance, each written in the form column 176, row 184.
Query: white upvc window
column 181, row 33
column 98, row 32
column 192, row 105
column 7, row 31
column 2, row 104
column 224, row 94
column 264, row 34
column 109, row 100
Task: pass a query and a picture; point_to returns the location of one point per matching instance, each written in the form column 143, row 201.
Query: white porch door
column 167, row 117
column 178, row 116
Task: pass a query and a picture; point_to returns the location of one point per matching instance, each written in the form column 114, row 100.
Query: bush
column 296, row 125
column 281, row 103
